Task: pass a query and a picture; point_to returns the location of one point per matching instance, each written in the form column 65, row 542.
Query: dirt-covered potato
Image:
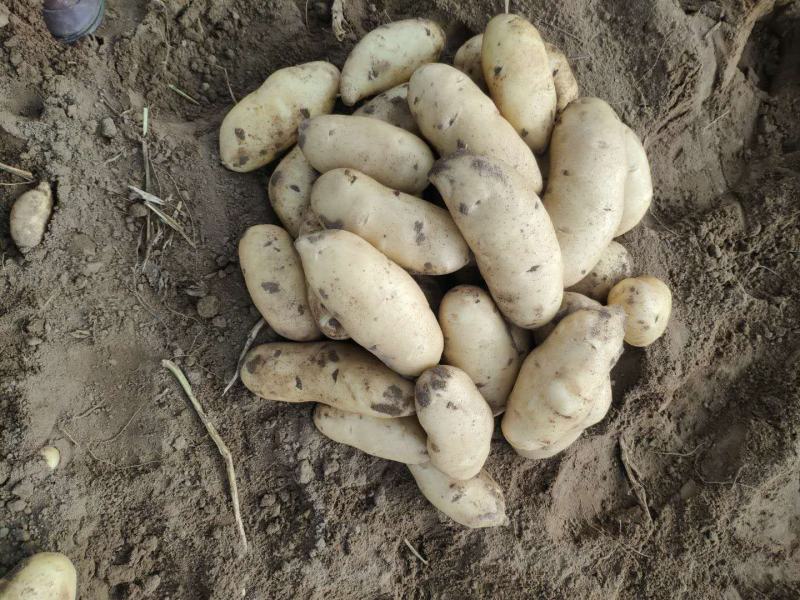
column 274, row 277
column 454, row 114
column 614, row 265
column 289, row 189
column 401, row 439
column 391, row 106
column 510, row 233
column 561, row 382
column 648, row 303
column 29, row 216
column 638, row 183
column 376, row 301
column 264, row 123
column 393, row 156
column 476, row 502
column 468, row 60
column 518, row 75
column 479, row 341
column 586, row 187
column 563, row 78
column 388, row 55
column 417, row 235
column 43, row 576
column 571, row 302
column 338, row 374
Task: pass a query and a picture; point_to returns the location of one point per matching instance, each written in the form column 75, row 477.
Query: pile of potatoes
column 363, row 278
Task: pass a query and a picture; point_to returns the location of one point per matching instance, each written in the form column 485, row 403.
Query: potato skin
column 638, row 183
column 393, row 156
column 338, row 374
column 468, row 60
column 571, row 302
column 289, row 189
column 510, row 233
column 453, row 114
column 388, row 55
column 375, row 300
column 614, row 265
column 401, row 439
column 327, row 323
column 585, row 190
column 391, row 107
column 648, row 303
column 29, row 216
column 517, row 72
column 564, row 80
column 419, row 236
column 264, row 123
column 43, row 576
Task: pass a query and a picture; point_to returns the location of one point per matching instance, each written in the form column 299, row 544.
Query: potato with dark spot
column 563, row 78
column 638, row 183
column 43, row 576
column 614, row 265
column 571, row 302
column 338, row 374
column 468, row 60
column 648, row 303
column 29, row 216
column 289, row 189
column 392, row 107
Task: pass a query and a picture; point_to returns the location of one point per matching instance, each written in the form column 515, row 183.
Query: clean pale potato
column 454, row 114
column 388, row 55
column 476, row 502
column 586, row 187
column 401, row 439
column 571, row 302
column 563, row 78
column 289, row 189
column 376, row 301
column 638, row 183
column 456, row 418
column 517, row 72
column 510, row 233
column 274, row 277
column 51, row 456
column 43, row 576
column 468, row 60
column 417, row 235
column 264, row 123
column 391, row 106
column 614, row 265
column 480, row 342
column 338, row 374
column 29, row 216
column 648, row 303
column 391, row 155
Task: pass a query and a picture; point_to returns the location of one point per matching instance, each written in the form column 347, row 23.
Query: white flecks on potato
column 289, row 189
column 648, row 303
column 391, row 106
column 614, row 265
column 638, row 183
column 29, row 216
column 43, row 576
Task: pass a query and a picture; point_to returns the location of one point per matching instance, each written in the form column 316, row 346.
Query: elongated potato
column 264, row 123
column 29, row 216
column 417, row 235
column 289, row 189
column 638, row 183
column 476, row 502
column 468, row 60
column 563, row 78
column 480, row 342
column 392, row 107
column 391, row 155
column 510, row 233
column 338, row 374
column 517, row 73
column 274, row 277
column 571, row 302
column 454, row 114
column 614, row 265
column 375, row 300
column 400, row 439
column 562, row 381
column 388, row 55
column 43, row 576
column 586, row 188
column 648, row 303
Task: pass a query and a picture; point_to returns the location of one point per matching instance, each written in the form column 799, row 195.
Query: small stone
column 331, row 467
column 72, row 111
column 17, row 505
column 219, row 322
column 267, row 500
column 303, row 454
column 33, row 341
column 24, row 489
column 4, row 15
column 137, row 210
column 714, row 250
column 3, row 532
column 108, row 128
column 208, row 307
column 306, row 472
column 180, row 443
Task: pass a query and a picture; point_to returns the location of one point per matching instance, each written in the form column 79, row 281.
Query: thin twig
column 145, row 121
column 124, row 427
column 63, row 430
column 615, row 540
column 722, row 116
column 681, row 454
column 251, row 337
column 182, row 94
column 228, row 83
column 414, row 550
column 16, row 171
column 632, row 472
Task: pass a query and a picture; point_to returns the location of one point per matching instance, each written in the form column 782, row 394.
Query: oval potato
column 391, row 106
column 289, row 189
column 29, row 216
column 638, row 183
column 648, row 303
column 563, row 78
column 614, row 265
column 571, row 302
column 468, row 60
column 43, row 576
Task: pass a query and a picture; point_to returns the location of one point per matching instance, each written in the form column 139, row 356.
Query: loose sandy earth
column 710, row 414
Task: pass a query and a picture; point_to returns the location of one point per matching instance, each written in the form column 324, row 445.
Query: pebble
column 330, row 467
column 714, row 250
column 3, row 532
column 306, row 472
column 267, row 500
column 24, row 489
column 180, row 443
column 303, row 454
column 17, row 506
column 108, row 128
column 208, row 307
column 4, row 14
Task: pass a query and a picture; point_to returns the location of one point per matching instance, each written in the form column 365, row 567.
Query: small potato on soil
column 614, row 265
column 289, row 189
column 648, row 303
column 29, row 216
column 43, row 576
column 392, row 107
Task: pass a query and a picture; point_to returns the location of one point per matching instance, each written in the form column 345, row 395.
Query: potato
column 468, row 60
column 374, row 299
column 392, row 107
column 456, row 418
column 51, row 456
column 289, row 189
column 510, row 233
column 648, row 303
column 480, row 342
column 561, row 382
column 391, row 155
column 517, row 72
column 388, row 55
column 586, row 187
column 638, row 183
column 476, row 502
column 571, row 302
column 614, row 264
column 274, row 277
column 334, row 373
column 327, row 323
column 43, row 576
column 29, row 216
column 417, row 235
column 264, row 123
column 453, row 114
column 563, row 78
column 401, row 439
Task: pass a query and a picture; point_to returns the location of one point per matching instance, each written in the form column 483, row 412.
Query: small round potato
column 29, row 216
column 638, row 183
column 338, row 374
column 264, row 123
column 456, row 418
column 571, row 302
column 388, row 55
column 393, row 156
column 614, row 264
column 289, row 189
column 468, row 60
column 417, row 235
column 400, row 439
column 392, row 107
column 43, row 576
column 563, row 78
column 648, row 303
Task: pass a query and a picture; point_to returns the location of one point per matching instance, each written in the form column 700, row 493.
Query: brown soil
column 709, row 415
